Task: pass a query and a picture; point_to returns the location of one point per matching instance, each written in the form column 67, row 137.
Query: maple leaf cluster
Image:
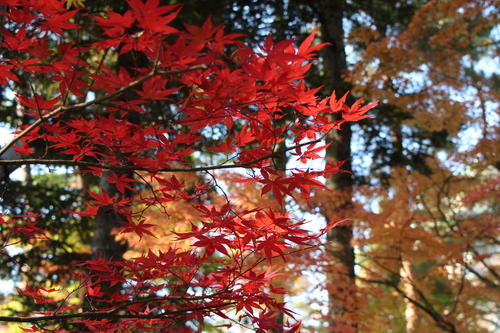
column 240, row 95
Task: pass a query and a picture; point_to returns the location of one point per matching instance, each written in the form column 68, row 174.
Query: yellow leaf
column 75, row 3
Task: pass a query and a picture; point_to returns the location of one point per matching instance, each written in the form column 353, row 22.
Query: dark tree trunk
column 280, row 162
column 340, row 272
column 109, row 217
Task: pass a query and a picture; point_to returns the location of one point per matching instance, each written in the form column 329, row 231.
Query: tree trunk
column 340, row 274
column 407, row 280
column 108, row 218
column 406, row 273
column 280, row 162
column 104, row 244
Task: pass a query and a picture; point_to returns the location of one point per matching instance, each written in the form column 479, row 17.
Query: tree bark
column 405, row 271
column 407, row 280
column 280, row 281
column 109, row 218
column 341, row 277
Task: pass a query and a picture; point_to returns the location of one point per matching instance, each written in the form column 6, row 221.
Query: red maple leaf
column 333, row 168
column 38, row 103
column 140, row 228
column 114, row 25
column 121, row 182
column 357, row 112
column 56, row 22
column 152, row 17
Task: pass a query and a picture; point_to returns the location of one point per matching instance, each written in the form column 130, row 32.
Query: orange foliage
column 432, row 237
column 168, row 217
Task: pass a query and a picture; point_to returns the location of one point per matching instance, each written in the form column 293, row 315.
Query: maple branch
column 168, row 298
column 424, row 305
column 108, row 314
column 115, row 93
column 460, row 291
column 489, row 282
column 438, row 318
column 29, row 161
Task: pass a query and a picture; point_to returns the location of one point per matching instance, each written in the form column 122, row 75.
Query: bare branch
column 109, row 314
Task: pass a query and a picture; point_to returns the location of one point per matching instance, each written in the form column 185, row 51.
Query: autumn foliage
column 198, row 101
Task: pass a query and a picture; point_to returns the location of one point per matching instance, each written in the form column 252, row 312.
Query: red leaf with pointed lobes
column 121, row 182
column 305, row 50
column 35, row 293
column 357, row 112
column 337, row 105
column 24, row 149
column 333, row 168
column 332, row 224
column 102, row 199
column 16, row 41
column 151, row 15
column 115, row 24
column 70, row 56
column 272, row 247
column 154, row 89
column 311, row 153
column 5, row 74
column 95, row 291
column 38, row 103
column 109, row 81
column 90, row 211
column 141, row 228
column 19, row 15
column 56, row 22
column 201, row 35
column 245, row 136
column 267, row 321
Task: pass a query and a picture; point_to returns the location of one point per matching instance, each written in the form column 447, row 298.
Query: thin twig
column 110, row 314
